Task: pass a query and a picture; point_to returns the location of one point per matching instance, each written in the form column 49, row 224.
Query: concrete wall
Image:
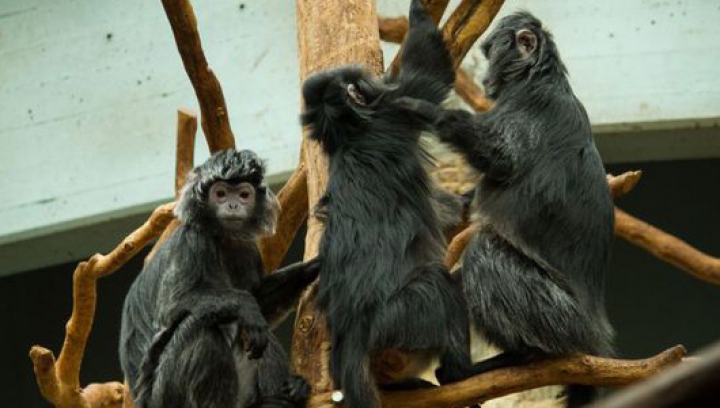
column 89, row 89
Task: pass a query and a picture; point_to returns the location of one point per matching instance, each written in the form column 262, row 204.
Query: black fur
column 194, row 330
column 382, row 281
column 534, row 275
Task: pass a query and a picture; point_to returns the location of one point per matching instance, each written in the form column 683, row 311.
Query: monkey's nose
column 234, row 206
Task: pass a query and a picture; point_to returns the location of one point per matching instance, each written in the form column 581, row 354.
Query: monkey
column 195, row 322
column 533, row 275
column 382, row 281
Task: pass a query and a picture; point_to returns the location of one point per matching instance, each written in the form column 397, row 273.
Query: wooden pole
column 330, row 33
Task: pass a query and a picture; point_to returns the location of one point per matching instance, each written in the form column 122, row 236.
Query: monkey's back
column 559, row 209
column 379, row 223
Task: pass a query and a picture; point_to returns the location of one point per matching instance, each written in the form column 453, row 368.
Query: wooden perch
column 578, row 369
column 293, row 198
column 467, row 23
column 330, row 33
column 214, row 114
column 692, row 384
column 624, row 183
column 59, row 381
column 458, row 244
column 185, row 148
column 394, row 30
column 667, row 247
column 184, row 160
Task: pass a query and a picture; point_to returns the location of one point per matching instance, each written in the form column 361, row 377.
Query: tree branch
column 59, row 381
column 214, row 114
column 185, row 148
column 577, row 369
column 466, row 24
column 330, row 33
column 692, row 384
column 667, row 247
column 293, row 198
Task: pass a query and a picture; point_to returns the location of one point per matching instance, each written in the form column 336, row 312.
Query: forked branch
column 59, row 381
column 214, row 114
column 293, row 198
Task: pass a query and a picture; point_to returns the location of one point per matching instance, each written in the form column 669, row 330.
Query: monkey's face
column 232, row 204
column 512, row 50
column 227, row 193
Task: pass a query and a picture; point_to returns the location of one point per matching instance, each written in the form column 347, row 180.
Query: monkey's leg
column 277, row 387
column 427, row 314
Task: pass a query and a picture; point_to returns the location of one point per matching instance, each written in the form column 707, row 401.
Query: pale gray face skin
column 232, row 204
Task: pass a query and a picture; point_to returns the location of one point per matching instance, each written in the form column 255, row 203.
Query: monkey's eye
column 246, row 192
column 355, row 95
column 220, row 193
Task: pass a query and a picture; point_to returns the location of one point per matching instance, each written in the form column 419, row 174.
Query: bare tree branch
column 330, row 33
column 467, row 23
column 214, row 113
column 185, row 148
column 577, row 369
column 667, row 247
column 692, row 384
column 293, row 198
column 59, row 381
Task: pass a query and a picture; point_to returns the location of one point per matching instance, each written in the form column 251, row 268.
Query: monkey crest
column 227, row 194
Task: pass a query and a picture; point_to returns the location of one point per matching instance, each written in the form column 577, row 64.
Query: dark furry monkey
column 382, row 281
column 534, row 274
column 194, row 326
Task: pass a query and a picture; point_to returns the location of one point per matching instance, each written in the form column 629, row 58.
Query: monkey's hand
column 296, row 389
column 426, row 111
column 312, row 268
column 254, row 331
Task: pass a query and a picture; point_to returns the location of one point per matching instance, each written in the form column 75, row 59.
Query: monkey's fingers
column 297, row 389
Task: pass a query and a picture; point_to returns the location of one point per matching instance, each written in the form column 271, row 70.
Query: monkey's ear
column 526, row 41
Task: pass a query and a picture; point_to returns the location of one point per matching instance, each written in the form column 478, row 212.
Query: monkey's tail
column 358, row 386
column 170, row 338
column 580, row 395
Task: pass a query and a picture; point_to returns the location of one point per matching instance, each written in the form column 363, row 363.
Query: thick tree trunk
column 330, row 33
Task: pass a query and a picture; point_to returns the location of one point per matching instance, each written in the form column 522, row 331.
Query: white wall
column 89, row 89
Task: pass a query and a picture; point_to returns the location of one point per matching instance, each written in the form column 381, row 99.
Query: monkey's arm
column 471, row 135
column 426, row 70
column 278, row 293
